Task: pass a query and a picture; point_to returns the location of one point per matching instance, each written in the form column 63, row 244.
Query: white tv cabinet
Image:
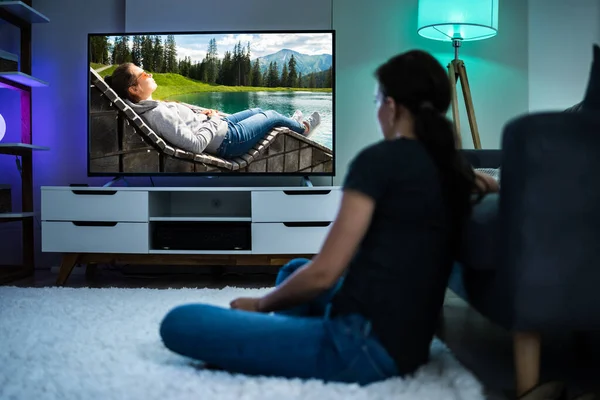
column 92, row 225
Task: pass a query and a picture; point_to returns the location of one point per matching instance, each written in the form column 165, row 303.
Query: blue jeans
column 289, row 344
column 246, row 128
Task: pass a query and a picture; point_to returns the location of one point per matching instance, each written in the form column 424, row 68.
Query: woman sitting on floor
column 208, row 131
column 366, row 307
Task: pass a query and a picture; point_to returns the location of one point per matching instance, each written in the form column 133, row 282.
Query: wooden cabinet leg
column 66, row 266
column 527, row 347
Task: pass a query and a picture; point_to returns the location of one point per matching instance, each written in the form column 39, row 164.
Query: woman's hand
column 210, row 113
column 246, row 304
column 486, row 183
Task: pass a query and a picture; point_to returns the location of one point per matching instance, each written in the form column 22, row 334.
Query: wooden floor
column 479, row 345
column 157, row 277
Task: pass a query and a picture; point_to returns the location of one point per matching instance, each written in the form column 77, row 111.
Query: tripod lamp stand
column 459, row 21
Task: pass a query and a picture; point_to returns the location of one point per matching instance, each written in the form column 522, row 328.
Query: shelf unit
column 22, row 15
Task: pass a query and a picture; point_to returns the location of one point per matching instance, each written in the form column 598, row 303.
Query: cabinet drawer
column 94, row 205
column 288, row 238
column 295, row 205
column 95, row 237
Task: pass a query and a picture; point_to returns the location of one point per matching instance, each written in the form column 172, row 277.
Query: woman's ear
column 392, row 110
column 401, row 111
column 133, row 92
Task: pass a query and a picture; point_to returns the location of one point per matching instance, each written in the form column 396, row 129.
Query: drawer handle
column 307, row 192
column 307, row 224
column 94, row 192
column 94, row 223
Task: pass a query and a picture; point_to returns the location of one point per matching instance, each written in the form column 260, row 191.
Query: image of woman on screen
column 201, row 132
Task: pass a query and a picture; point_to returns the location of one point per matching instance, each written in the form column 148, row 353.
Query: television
column 211, row 103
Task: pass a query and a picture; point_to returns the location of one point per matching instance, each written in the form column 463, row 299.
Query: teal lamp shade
column 450, row 20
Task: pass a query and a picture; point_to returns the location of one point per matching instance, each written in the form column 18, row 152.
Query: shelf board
column 17, row 149
column 202, row 219
column 9, row 56
column 23, row 11
column 10, row 217
column 23, row 146
column 17, row 79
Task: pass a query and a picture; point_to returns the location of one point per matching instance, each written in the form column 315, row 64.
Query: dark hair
column 121, row 80
column 417, row 81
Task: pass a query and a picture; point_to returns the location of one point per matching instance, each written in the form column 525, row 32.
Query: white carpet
column 64, row 343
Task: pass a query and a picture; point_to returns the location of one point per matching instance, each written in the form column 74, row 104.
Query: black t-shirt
column 398, row 276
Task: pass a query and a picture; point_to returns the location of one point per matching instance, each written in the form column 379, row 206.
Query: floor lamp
column 459, row 21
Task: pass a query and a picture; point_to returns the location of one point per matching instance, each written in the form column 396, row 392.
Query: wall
column 194, row 15
column 561, row 35
column 366, row 37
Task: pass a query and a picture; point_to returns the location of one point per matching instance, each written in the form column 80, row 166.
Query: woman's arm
column 328, row 266
column 168, row 124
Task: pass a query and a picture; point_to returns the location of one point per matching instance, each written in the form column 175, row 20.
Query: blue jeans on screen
column 246, row 128
column 303, row 342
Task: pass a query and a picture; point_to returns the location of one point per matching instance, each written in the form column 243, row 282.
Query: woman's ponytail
column 437, row 135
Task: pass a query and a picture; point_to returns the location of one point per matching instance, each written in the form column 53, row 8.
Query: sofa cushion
column 479, row 248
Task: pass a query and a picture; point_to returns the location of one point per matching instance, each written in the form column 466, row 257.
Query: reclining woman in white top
column 208, row 131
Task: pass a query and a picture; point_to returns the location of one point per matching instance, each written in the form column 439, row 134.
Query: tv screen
column 208, row 103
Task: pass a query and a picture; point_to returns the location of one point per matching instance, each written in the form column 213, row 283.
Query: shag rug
column 65, row 343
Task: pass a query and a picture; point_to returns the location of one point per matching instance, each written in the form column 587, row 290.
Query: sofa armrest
column 549, row 221
column 479, row 248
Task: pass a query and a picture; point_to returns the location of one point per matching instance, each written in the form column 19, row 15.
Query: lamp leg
column 462, row 74
column 453, row 76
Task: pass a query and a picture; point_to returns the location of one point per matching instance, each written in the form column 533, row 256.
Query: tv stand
column 185, row 225
column 306, row 181
column 115, row 180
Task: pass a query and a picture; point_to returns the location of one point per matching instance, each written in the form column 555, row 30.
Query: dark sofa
column 530, row 260
column 531, row 255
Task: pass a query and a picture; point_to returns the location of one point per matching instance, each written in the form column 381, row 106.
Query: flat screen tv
column 211, row 103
